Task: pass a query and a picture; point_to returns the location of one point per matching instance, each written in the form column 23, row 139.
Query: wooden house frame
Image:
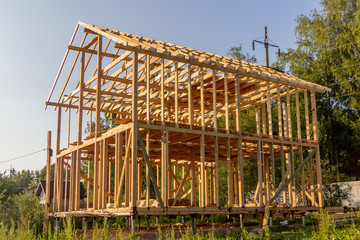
column 164, row 102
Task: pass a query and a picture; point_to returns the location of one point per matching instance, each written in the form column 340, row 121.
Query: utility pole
column 48, row 173
column 266, row 45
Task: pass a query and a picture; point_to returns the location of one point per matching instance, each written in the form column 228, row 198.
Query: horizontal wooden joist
column 105, row 54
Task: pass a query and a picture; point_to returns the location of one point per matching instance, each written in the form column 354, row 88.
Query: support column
column 97, row 123
column 134, row 129
column 317, row 156
column 48, row 173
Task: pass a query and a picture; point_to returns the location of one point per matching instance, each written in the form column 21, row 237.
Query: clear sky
column 34, row 37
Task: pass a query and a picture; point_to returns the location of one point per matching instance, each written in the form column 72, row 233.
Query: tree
column 328, row 53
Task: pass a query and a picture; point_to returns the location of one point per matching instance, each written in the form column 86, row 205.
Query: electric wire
column 29, row 154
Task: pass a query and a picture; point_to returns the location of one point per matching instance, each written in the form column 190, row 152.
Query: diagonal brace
column 284, row 185
column 152, row 175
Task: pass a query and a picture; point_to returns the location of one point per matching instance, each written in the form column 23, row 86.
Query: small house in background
column 40, row 191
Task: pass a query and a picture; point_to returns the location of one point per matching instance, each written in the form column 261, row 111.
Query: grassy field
column 320, row 227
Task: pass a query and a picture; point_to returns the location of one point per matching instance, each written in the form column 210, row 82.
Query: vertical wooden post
column 147, row 69
column 104, row 171
column 60, row 183
column 239, row 144
column 301, row 156
column 280, row 123
column 134, row 129
column 176, row 94
column 290, row 155
column 72, row 182
column 79, row 135
column 307, row 122
column 164, row 146
column 101, row 174
column 228, row 156
column 317, row 156
column 287, row 155
column 190, row 98
column 270, row 123
column 117, row 166
column 66, row 186
column 193, row 176
column 48, row 178
column 214, row 79
column 259, row 161
column 139, row 177
column 207, row 186
column 202, row 142
column 109, row 181
column 97, row 123
column 202, row 171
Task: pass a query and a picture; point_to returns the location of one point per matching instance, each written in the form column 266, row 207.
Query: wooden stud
column 317, row 156
column 202, row 172
column 192, row 175
column 259, row 162
column 240, row 174
column 298, row 123
column 134, row 143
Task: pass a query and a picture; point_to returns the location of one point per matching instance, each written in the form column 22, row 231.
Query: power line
column 12, row 159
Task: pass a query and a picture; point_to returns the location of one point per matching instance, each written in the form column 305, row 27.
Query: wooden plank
column 190, row 97
column 318, row 160
column 101, row 174
column 259, row 162
column 148, row 169
column 118, row 148
column 134, row 115
column 270, row 124
column 123, row 175
column 240, row 174
column 202, row 172
column 176, row 95
column 72, row 182
column 65, row 207
column 105, row 171
column 287, row 155
column 307, row 122
column 193, row 176
column 301, row 156
column 80, row 129
column 148, row 107
column 97, row 124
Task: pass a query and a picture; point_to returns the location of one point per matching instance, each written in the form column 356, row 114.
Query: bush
column 27, row 211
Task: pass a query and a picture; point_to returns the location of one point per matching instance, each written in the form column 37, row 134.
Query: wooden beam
column 134, row 115
column 318, row 160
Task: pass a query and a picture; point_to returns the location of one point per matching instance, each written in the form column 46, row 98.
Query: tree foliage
column 328, row 53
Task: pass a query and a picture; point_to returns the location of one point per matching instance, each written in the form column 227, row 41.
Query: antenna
column 266, row 45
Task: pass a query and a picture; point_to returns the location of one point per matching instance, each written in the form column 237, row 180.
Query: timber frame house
column 162, row 153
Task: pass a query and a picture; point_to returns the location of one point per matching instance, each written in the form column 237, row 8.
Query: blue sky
column 34, row 36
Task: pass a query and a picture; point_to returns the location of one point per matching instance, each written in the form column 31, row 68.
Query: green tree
column 327, row 53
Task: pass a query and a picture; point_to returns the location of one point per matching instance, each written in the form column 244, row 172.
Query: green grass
column 320, row 227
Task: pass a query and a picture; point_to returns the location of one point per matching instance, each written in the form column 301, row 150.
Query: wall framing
column 163, row 150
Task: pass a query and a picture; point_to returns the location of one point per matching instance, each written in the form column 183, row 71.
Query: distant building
column 354, row 194
column 40, row 191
